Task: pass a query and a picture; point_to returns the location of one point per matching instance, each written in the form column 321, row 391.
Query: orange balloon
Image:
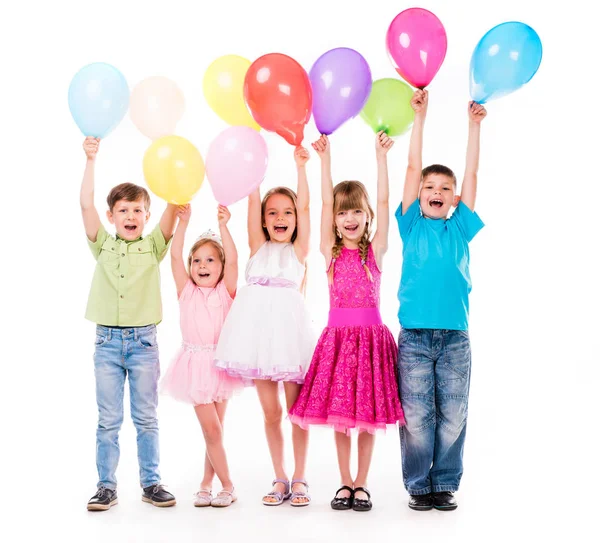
column 278, row 93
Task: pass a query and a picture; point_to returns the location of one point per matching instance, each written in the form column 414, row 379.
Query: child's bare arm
column 91, row 219
column 256, row 235
column 469, row 186
column 167, row 221
column 302, row 242
column 177, row 264
column 230, row 276
column 383, row 144
column 321, row 146
column 415, row 150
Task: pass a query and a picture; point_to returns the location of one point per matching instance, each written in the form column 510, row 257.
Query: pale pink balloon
column 417, row 43
column 236, row 163
column 156, row 105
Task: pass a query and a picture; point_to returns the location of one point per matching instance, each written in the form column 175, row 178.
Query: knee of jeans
column 452, row 412
column 419, row 412
column 110, row 421
column 146, row 421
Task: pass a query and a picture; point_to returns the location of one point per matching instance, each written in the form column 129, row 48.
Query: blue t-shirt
column 435, row 283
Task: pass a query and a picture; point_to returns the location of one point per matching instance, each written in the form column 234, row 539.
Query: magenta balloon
column 236, row 163
column 341, row 83
column 417, row 43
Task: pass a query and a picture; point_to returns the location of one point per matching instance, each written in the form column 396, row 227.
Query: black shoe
column 444, row 501
column 421, row 502
column 362, row 505
column 103, row 500
column 340, row 504
column 157, row 495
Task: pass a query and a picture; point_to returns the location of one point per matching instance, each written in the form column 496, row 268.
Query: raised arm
column 469, row 185
column 383, row 144
column 415, row 150
column 180, row 274
column 167, row 221
column 230, row 276
column 256, row 235
column 302, row 242
column 91, row 220
column 321, row 146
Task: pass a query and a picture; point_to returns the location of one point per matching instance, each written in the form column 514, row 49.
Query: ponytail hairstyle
column 351, row 195
column 263, row 206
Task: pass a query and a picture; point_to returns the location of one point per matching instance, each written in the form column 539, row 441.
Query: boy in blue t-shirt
column 434, row 354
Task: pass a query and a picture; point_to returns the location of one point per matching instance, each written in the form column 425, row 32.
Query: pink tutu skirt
column 192, row 377
column 352, row 381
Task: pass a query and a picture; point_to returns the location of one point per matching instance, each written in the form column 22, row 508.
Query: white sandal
column 203, row 498
column 224, row 498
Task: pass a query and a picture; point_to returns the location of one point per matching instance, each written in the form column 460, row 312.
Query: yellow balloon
column 223, row 87
column 174, row 169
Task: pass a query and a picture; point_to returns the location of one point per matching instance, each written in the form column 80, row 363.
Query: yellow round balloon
column 223, row 87
column 174, row 169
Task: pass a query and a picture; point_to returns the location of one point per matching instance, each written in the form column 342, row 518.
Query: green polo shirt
column 126, row 285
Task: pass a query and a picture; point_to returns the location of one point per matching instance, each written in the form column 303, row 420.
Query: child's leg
column 366, row 444
column 452, row 375
column 272, row 411
column 213, row 436
column 343, row 445
column 299, row 441
column 143, row 370
column 209, row 471
column 417, row 394
column 110, row 382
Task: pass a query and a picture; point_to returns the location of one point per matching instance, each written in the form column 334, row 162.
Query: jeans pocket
column 100, row 340
column 148, row 340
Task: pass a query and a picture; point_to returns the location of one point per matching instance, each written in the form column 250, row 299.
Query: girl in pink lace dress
column 351, row 382
column 205, row 295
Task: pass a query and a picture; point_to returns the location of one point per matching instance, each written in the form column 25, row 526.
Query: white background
column 530, row 465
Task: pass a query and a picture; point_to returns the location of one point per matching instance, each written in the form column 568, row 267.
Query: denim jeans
column 121, row 353
column 434, row 373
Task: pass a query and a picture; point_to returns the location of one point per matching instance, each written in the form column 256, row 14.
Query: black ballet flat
column 362, row 505
column 341, row 504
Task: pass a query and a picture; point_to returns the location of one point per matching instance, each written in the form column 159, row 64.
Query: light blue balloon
column 98, row 99
column 506, row 58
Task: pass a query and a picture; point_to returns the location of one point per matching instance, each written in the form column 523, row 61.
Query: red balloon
column 278, row 93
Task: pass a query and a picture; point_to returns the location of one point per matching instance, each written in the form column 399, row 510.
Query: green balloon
column 388, row 107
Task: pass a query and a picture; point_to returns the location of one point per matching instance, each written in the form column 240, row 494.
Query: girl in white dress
column 267, row 335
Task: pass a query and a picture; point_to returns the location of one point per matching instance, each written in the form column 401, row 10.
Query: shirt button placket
column 122, row 283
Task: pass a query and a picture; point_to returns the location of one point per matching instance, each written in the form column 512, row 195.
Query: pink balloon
column 417, row 43
column 236, row 163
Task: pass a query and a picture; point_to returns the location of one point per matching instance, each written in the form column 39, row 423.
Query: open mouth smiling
column 280, row 229
column 436, row 203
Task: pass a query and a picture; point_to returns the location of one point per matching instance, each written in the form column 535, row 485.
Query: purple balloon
column 341, row 83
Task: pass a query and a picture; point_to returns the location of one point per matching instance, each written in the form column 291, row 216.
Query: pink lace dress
column 352, row 380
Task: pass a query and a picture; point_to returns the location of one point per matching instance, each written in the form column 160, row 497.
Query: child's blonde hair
column 286, row 192
column 203, row 241
column 351, row 195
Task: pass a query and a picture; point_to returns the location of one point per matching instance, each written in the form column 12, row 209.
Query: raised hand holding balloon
column 98, row 99
column 417, row 43
column 506, row 58
column 341, row 83
column 278, row 93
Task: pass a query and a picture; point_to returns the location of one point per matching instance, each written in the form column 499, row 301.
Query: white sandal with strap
column 203, row 498
column 224, row 498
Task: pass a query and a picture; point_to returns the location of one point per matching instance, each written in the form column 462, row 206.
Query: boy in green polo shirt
column 125, row 304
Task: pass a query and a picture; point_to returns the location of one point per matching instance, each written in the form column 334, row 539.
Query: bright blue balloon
column 506, row 58
column 98, row 99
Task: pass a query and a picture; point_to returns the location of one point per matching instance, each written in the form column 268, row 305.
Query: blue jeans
column 122, row 352
column 434, row 373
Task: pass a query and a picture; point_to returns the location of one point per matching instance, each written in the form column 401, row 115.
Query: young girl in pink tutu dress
column 351, row 382
column 205, row 291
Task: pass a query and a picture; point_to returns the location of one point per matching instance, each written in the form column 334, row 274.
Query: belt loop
column 109, row 334
column 135, row 333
